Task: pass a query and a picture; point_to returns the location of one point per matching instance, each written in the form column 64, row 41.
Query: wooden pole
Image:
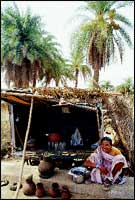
column 99, row 131
column 102, row 121
column 24, row 148
column 12, row 129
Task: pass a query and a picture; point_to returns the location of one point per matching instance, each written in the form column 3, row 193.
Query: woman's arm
column 88, row 163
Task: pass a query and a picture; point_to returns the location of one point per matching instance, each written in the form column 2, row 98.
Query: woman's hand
column 88, row 163
column 102, row 169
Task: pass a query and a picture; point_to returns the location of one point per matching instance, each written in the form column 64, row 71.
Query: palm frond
column 125, row 36
column 122, row 4
column 123, row 19
column 120, row 45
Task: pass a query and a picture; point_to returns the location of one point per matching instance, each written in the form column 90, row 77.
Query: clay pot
column 29, row 186
column 65, row 193
column 46, row 167
column 54, row 191
column 54, row 137
column 40, row 192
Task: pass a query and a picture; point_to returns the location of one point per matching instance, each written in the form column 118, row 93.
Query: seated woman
column 106, row 163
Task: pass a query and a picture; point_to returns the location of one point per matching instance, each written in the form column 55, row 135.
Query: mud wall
column 5, row 125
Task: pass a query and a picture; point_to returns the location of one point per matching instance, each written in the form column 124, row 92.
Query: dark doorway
column 50, row 119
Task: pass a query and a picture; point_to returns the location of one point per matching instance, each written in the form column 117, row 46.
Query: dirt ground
column 6, row 193
column 11, row 169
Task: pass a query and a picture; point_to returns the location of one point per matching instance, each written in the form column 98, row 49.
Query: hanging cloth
column 76, row 138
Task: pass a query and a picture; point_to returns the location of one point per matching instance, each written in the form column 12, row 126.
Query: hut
column 54, row 111
column 58, row 112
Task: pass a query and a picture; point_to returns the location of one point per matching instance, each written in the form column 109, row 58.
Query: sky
column 57, row 15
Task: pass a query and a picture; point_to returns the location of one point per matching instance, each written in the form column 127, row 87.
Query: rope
column 24, row 149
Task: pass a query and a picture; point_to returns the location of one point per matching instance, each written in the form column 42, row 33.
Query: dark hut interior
column 61, row 120
column 62, row 130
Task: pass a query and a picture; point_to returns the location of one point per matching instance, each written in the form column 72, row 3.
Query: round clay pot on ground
column 46, row 167
column 29, row 187
column 54, row 191
column 65, row 193
column 40, row 191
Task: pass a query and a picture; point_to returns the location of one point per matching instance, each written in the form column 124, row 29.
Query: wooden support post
column 102, row 125
column 102, row 121
column 24, row 149
column 99, row 131
column 12, row 128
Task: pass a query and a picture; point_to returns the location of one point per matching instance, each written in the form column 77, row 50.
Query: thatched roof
column 53, row 95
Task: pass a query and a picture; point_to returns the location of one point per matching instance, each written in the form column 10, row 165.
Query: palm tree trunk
column 34, row 74
column 57, row 83
column 26, row 68
column 96, row 77
column 36, row 66
column 76, row 77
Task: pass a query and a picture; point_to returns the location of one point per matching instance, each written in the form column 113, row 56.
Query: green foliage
column 127, row 87
column 20, row 31
column 106, row 85
column 78, row 67
column 28, row 52
column 97, row 39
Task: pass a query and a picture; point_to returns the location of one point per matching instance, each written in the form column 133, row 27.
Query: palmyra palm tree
column 19, row 41
column 27, row 50
column 127, row 87
column 78, row 67
column 52, row 60
column 98, row 39
column 106, row 85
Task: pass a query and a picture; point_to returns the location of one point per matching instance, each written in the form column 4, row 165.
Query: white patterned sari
column 107, row 161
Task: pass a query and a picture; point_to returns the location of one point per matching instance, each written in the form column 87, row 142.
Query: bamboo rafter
column 13, row 98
